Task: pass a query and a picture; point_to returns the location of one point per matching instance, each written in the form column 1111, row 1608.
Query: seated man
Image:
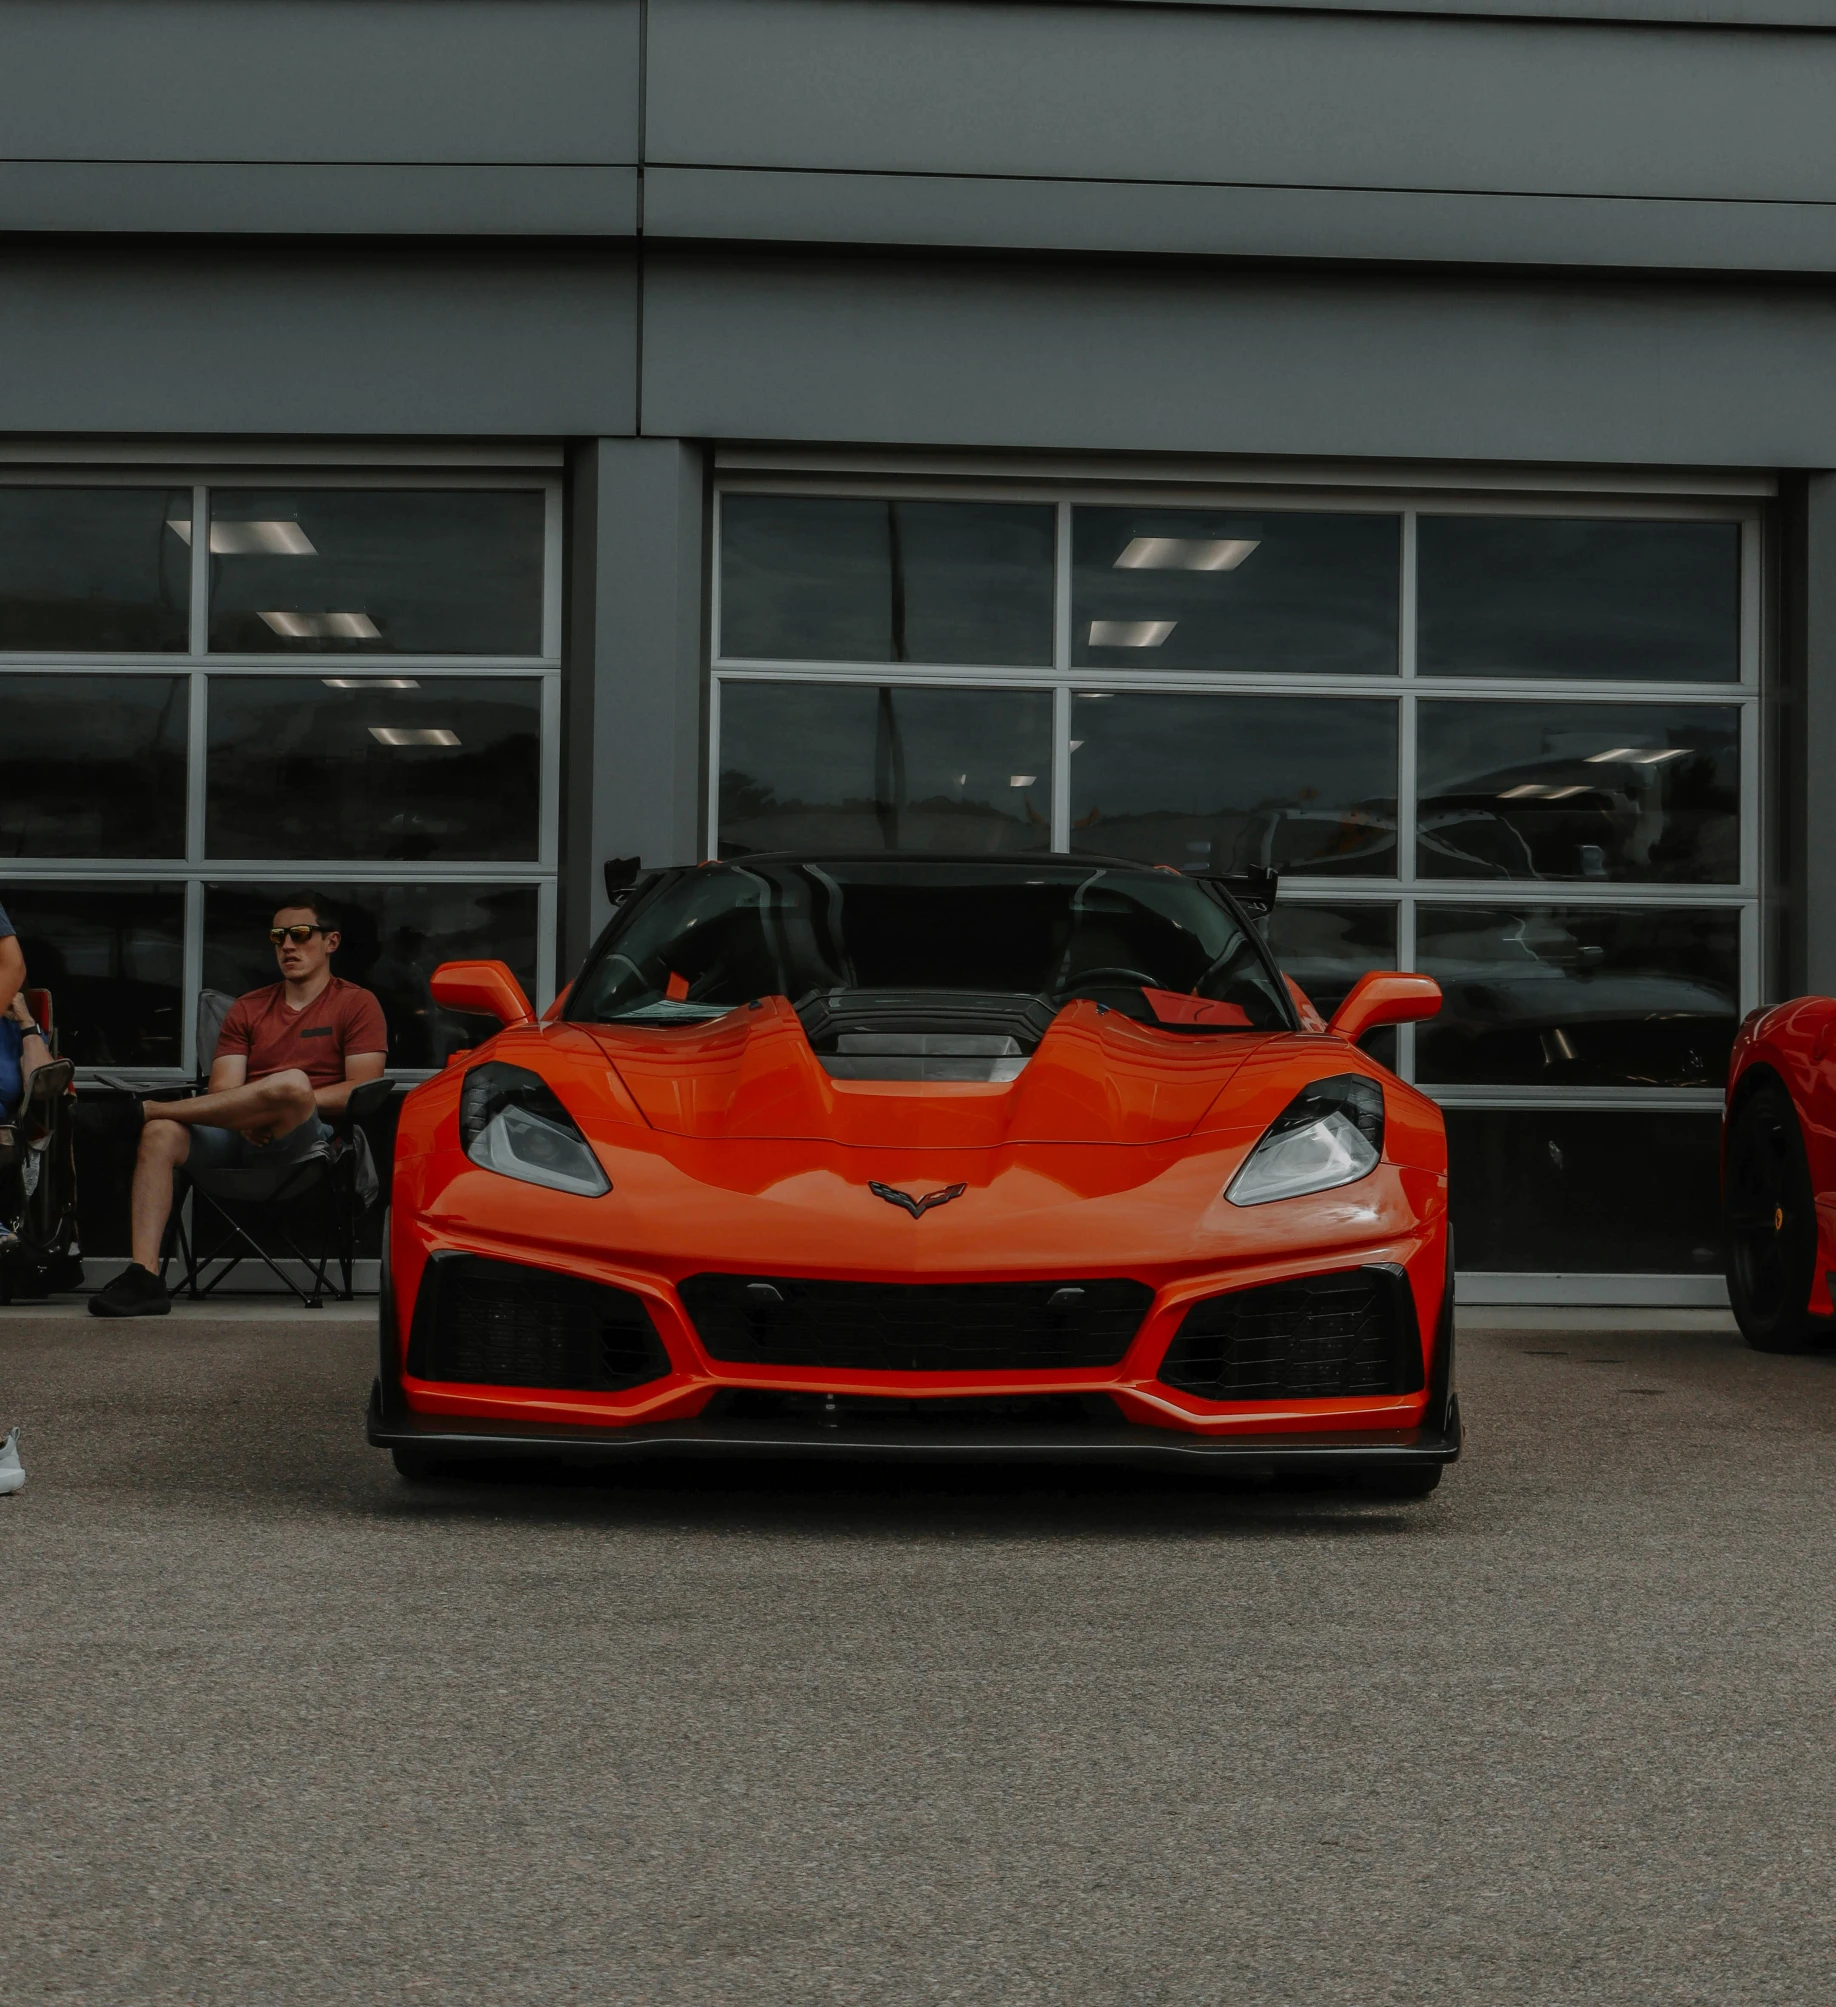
column 22, row 1047
column 287, row 1056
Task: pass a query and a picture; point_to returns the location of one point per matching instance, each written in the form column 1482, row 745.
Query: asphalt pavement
column 280, row 1728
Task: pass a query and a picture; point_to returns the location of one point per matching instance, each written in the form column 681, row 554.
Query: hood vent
column 924, row 1034
column 924, row 1055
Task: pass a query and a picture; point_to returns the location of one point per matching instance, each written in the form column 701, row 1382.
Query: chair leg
column 312, row 1299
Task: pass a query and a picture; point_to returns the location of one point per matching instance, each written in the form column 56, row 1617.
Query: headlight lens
column 510, row 1121
column 1330, row 1134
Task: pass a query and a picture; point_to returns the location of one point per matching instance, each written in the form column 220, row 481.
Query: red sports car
column 1778, row 1176
column 926, row 1156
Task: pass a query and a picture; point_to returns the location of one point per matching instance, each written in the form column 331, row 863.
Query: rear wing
column 1254, row 889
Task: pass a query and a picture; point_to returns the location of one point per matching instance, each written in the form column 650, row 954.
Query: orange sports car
column 922, row 1156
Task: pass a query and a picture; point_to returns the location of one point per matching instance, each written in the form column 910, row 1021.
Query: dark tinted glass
column 1579, row 996
column 449, row 769
column 846, row 766
column 112, row 957
column 95, row 568
column 1307, row 784
column 1640, row 793
column 1518, row 596
column 1235, row 589
column 377, row 571
column 720, row 937
column 92, row 766
column 822, row 578
column 1327, row 948
column 393, row 937
column 1584, row 1192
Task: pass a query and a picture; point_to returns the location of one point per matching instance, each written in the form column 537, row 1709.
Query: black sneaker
column 133, row 1293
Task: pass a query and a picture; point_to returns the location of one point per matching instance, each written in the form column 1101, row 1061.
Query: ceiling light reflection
column 1185, row 553
column 413, row 735
column 1130, row 633
column 263, row 539
column 322, row 626
column 370, row 682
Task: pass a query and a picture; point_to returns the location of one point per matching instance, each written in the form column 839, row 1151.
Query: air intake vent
column 916, row 1327
column 499, row 1324
column 1319, row 1337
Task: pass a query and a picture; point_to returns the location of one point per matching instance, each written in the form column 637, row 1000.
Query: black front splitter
column 464, row 1440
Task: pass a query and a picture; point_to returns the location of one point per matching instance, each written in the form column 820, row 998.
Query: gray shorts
column 215, row 1149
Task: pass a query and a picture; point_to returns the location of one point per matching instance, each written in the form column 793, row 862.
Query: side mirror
column 1385, row 996
column 621, row 875
column 486, row 988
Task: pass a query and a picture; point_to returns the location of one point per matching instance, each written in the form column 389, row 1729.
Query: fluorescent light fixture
column 1075, row 743
column 413, row 735
column 1562, row 793
column 1542, row 791
column 1021, row 780
column 250, row 539
column 1526, row 791
column 1640, row 756
column 1130, row 633
column 323, row 626
column 1094, row 696
column 1185, row 553
column 370, row 682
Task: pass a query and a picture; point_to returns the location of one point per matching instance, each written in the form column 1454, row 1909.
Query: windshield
column 1141, row 940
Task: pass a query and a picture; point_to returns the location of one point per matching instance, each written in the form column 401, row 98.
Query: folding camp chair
column 38, row 1214
column 314, row 1203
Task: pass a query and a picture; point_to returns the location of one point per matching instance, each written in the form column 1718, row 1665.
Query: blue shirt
column 7, row 928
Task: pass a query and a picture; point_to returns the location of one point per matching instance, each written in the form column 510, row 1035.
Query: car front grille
column 958, row 1414
column 916, row 1327
column 500, row 1324
column 1317, row 1337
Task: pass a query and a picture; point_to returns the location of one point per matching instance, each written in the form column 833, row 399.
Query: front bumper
column 1124, row 1443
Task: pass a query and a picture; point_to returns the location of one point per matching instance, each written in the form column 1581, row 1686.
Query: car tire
column 417, row 1466
column 1770, row 1224
column 1407, row 1483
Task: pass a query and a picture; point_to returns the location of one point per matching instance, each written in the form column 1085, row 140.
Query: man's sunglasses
column 299, row 936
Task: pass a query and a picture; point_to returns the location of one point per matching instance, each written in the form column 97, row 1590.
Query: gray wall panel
column 1140, row 359
column 1185, row 219
column 338, row 198
column 394, row 80
column 392, row 344
column 1219, row 95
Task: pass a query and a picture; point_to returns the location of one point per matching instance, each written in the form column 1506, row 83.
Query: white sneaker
column 12, row 1471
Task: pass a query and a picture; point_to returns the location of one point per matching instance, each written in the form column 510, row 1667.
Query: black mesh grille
column 1324, row 1335
column 916, row 1327
column 498, row 1324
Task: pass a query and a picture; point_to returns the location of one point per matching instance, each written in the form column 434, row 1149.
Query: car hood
column 1097, row 1077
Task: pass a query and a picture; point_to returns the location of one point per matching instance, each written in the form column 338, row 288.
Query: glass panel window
column 1221, row 782
column 1579, row 996
column 95, row 568
column 392, row 938
column 1623, row 792
column 92, row 766
column 1531, row 596
column 1260, row 591
column 112, row 957
column 829, row 578
column 375, row 767
column 1327, row 948
column 376, row 571
column 1585, row 1193
column 848, row 766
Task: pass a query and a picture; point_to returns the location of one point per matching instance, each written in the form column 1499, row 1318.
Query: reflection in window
column 823, row 578
column 847, row 766
column 1222, row 783
column 382, row 767
column 1592, row 1194
column 1623, row 792
column 92, row 766
column 95, row 568
column 378, row 571
column 1527, row 596
column 1579, row 996
column 393, row 937
column 111, row 956
column 1256, row 590
column 1327, row 948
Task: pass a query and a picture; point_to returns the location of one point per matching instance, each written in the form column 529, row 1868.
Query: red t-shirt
column 340, row 1020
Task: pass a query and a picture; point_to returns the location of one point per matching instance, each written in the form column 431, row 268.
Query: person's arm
column 228, row 1069
column 358, row 1067
column 12, row 971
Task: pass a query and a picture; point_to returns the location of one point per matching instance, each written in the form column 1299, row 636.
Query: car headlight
column 510, row 1121
column 1331, row 1133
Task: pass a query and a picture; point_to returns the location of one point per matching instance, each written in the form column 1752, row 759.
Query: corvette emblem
column 916, row 1207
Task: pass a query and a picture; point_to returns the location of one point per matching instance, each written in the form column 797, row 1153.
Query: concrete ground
column 280, row 1728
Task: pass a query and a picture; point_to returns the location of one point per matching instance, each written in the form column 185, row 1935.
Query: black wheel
column 1404, row 1483
column 416, row 1465
column 1771, row 1225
